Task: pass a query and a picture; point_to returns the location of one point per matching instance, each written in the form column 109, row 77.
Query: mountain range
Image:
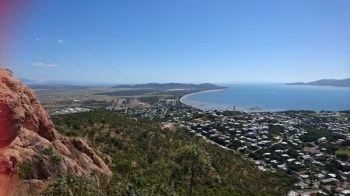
column 206, row 86
column 325, row 82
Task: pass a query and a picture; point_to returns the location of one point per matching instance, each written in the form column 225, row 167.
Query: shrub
column 25, row 171
column 51, row 153
column 72, row 185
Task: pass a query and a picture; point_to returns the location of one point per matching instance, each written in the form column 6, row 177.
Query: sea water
column 272, row 97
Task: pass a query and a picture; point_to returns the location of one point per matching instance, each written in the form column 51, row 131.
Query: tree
column 190, row 162
column 73, row 185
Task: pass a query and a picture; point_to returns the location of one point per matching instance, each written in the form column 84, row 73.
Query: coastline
column 327, row 103
column 205, row 91
column 222, row 107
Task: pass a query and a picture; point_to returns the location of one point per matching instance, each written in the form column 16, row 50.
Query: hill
column 204, row 86
column 32, row 152
column 119, row 155
column 325, row 82
column 144, row 159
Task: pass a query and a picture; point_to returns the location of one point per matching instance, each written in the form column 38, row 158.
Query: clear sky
column 181, row 40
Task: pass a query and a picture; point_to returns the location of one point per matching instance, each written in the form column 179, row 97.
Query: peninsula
column 325, row 82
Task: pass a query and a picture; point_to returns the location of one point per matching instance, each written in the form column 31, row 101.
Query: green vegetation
column 190, row 162
column 275, row 130
column 343, row 154
column 313, row 134
column 72, row 185
column 331, row 148
column 95, row 104
column 149, row 99
column 147, row 160
column 343, row 151
column 25, row 171
column 51, row 153
column 131, row 92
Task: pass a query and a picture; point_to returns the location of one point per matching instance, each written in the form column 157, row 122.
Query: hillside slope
column 143, row 157
column 31, row 150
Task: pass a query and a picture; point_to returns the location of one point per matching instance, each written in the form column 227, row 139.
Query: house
column 330, row 181
column 311, row 150
column 305, row 157
column 322, row 139
column 302, row 185
column 320, row 176
column 274, row 161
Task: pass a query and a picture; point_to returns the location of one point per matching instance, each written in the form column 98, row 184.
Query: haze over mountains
column 325, row 82
column 159, row 86
column 206, row 86
column 36, row 83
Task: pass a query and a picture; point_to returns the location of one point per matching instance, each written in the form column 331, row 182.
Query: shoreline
column 208, row 107
column 205, row 91
column 223, row 108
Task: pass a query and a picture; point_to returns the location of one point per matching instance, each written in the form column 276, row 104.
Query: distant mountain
column 61, row 87
column 60, row 84
column 26, row 81
column 206, row 86
column 325, row 82
column 54, row 83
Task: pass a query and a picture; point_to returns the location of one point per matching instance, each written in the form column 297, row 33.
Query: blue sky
column 182, row 40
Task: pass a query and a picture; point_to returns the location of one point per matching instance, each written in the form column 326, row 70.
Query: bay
column 271, row 97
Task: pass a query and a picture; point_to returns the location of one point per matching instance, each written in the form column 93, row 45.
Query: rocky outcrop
column 31, row 148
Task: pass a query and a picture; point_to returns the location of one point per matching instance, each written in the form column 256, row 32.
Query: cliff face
column 31, row 150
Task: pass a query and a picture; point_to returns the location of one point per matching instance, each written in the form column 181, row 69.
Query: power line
column 75, row 63
column 80, row 42
column 67, row 57
column 48, row 55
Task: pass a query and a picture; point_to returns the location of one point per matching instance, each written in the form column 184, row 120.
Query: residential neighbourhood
column 313, row 146
column 71, row 110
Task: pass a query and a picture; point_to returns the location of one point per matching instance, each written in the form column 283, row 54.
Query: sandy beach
column 183, row 97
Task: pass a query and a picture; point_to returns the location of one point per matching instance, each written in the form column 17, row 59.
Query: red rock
column 8, row 128
column 26, row 130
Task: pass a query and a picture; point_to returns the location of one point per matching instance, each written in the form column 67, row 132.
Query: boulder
column 31, row 148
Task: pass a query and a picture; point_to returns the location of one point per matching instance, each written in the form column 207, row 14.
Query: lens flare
column 9, row 10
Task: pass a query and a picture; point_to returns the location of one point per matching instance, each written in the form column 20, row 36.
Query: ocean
column 271, row 97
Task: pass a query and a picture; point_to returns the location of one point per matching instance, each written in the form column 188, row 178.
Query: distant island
column 325, row 82
column 204, row 86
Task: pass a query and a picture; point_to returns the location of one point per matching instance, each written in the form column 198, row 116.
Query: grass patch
column 128, row 92
column 25, row 171
column 343, row 151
